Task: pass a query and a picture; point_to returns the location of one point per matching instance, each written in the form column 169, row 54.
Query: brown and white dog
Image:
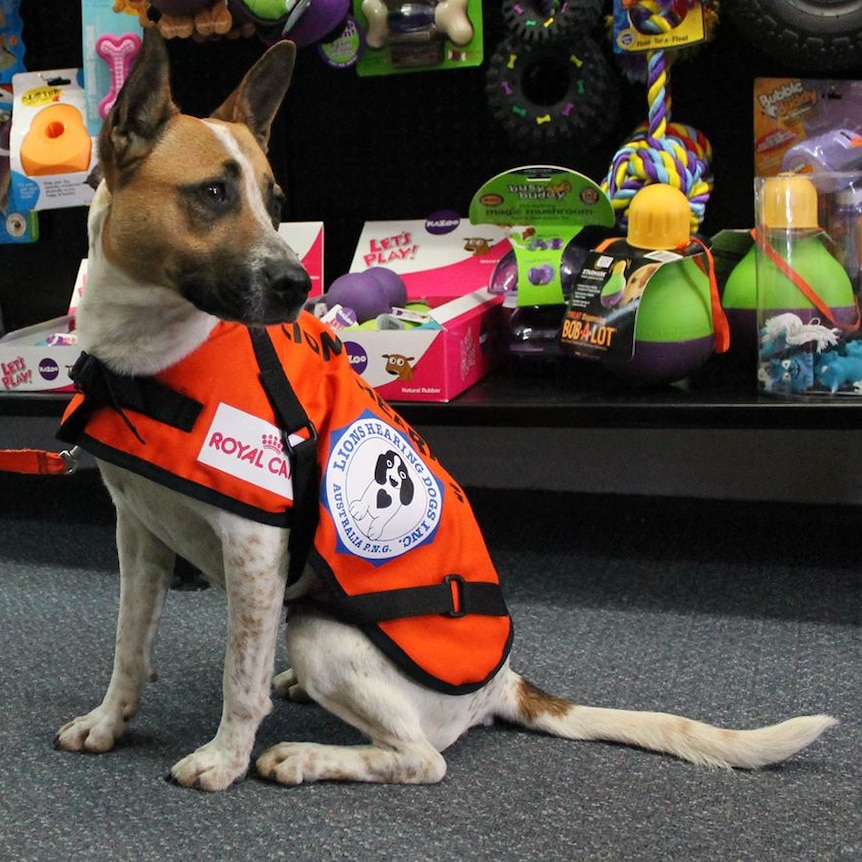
column 183, row 232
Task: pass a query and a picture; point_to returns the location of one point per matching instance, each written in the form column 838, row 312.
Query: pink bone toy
column 118, row 53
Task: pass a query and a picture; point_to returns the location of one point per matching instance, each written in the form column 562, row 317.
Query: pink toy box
column 447, row 263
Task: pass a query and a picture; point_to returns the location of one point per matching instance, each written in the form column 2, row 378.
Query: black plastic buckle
column 457, row 594
column 305, row 442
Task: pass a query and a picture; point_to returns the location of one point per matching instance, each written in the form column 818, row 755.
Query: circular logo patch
column 49, row 369
column 357, row 356
column 383, row 498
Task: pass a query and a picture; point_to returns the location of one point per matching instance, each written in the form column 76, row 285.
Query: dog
column 183, row 244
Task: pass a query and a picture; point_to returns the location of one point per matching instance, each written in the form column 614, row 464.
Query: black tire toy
column 552, row 92
column 809, row 35
column 530, row 21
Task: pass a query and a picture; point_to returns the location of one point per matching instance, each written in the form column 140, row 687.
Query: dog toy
column 660, row 151
column 546, row 20
column 680, row 322
column 304, row 22
column 504, row 279
column 118, row 52
column 367, row 294
column 395, row 21
column 548, row 82
column 11, row 44
column 836, row 371
column 805, row 298
column 654, row 319
column 56, row 143
column 393, row 285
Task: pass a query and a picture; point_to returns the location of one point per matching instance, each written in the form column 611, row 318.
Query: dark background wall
column 350, row 149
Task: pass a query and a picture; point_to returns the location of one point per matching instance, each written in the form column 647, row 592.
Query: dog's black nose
column 288, row 280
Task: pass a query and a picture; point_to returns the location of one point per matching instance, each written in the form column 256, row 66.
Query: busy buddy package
column 541, row 208
column 807, row 125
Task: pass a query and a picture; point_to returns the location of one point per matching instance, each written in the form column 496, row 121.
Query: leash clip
column 71, row 458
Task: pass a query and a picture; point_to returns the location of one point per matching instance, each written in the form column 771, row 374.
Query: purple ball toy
column 396, row 291
column 361, row 292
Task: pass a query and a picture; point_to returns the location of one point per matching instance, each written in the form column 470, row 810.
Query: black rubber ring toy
column 552, row 92
column 529, row 21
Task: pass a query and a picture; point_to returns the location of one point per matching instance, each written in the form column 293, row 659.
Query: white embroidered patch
column 249, row 448
column 383, row 498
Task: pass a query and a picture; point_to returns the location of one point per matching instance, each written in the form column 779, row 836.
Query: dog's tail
column 682, row 737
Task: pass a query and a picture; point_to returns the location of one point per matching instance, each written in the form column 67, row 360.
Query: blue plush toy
column 835, row 371
column 794, row 374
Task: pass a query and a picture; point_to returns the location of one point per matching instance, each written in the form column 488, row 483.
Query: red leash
column 38, row 462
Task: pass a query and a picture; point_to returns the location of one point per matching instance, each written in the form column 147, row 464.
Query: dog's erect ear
column 257, row 99
column 141, row 110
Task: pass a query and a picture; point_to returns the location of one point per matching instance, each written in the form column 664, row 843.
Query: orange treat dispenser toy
column 56, row 143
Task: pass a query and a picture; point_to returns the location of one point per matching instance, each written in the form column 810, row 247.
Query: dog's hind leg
column 145, row 572
column 255, row 573
column 340, row 670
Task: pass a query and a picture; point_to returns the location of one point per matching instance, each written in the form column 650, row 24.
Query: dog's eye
column 275, row 202
column 213, row 193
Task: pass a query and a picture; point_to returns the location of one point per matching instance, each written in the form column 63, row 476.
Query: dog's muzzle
column 271, row 291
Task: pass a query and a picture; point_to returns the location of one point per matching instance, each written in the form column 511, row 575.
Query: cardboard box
column 449, row 264
column 29, row 364
column 431, row 364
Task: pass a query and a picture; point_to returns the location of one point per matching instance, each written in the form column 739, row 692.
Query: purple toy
column 504, row 279
column 360, row 291
column 396, row 291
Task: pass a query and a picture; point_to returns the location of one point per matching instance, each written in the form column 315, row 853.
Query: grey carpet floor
column 731, row 613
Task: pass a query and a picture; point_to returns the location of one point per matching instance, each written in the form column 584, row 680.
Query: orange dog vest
column 274, row 425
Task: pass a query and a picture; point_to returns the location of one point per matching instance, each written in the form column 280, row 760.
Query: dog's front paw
column 209, row 768
column 287, row 686
column 288, row 763
column 96, row 732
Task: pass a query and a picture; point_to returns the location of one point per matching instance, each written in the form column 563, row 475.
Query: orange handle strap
column 720, row 326
column 801, row 284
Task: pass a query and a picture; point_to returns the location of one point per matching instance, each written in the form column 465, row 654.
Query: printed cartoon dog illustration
column 477, row 244
column 398, row 365
column 377, row 506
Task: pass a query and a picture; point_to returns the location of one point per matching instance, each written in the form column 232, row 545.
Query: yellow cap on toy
column 788, row 201
column 659, row 217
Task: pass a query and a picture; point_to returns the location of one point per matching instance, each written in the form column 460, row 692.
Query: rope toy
column 660, row 151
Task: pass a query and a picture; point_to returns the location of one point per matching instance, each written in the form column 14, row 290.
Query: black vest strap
column 452, row 597
column 305, row 473
column 102, row 387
